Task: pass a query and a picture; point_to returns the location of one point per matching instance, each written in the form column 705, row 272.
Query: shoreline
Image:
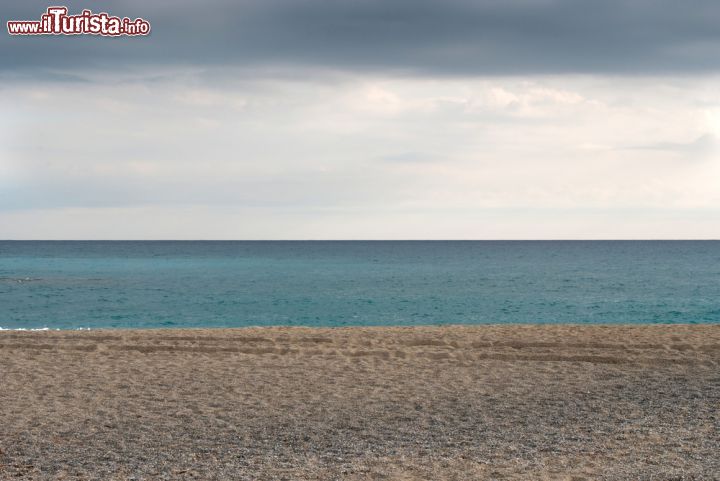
column 520, row 401
column 360, row 326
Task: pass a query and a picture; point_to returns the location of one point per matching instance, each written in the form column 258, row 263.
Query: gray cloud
column 701, row 147
column 453, row 37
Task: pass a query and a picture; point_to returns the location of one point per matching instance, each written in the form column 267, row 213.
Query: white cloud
column 229, row 156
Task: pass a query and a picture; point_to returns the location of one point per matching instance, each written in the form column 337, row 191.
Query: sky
column 373, row 119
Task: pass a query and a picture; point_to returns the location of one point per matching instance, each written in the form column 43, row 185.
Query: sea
column 193, row 284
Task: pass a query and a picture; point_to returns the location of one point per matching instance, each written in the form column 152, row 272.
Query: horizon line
column 375, row 240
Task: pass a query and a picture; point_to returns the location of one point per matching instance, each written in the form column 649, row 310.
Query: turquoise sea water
column 69, row 285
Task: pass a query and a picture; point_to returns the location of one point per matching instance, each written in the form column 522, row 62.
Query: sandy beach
column 484, row 402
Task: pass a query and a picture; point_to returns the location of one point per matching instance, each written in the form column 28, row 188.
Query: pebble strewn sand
column 485, row 402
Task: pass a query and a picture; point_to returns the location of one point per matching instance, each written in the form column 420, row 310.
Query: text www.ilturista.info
column 56, row 21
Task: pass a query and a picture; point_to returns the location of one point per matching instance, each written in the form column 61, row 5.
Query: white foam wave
column 27, row 329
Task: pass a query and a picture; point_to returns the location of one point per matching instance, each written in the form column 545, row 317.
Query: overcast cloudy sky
column 372, row 119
